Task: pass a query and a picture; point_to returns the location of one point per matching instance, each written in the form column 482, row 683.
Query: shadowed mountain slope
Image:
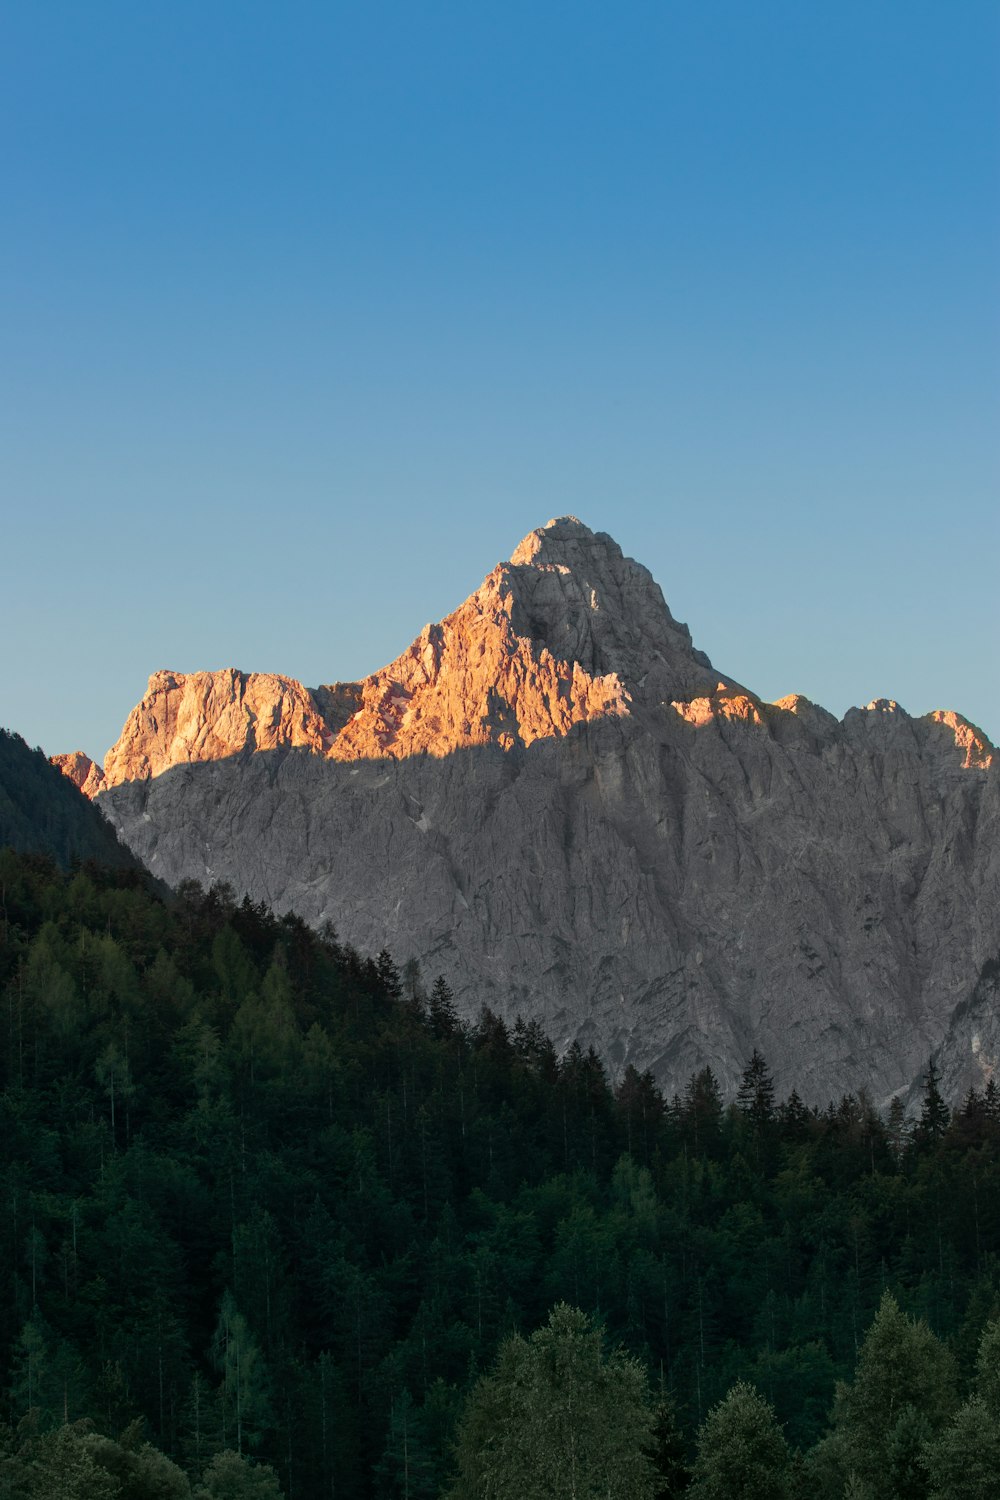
column 42, row 813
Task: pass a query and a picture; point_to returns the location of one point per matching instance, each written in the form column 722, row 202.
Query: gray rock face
column 556, row 802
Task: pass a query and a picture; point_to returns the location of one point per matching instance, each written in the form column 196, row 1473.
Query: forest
column 278, row 1223
column 42, row 811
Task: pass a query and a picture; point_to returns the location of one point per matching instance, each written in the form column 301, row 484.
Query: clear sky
column 308, row 312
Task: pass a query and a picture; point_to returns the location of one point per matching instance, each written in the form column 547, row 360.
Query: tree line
column 275, row 1216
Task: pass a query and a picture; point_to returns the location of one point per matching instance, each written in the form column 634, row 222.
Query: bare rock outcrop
column 555, row 800
column 85, row 774
column 199, row 716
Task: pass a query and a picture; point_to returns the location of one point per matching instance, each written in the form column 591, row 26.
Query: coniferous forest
column 277, row 1223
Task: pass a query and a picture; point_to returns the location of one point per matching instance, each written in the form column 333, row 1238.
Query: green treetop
column 559, row 1419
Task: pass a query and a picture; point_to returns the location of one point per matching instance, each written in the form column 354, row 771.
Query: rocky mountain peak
column 569, row 631
column 561, row 542
column 552, row 798
column 575, row 593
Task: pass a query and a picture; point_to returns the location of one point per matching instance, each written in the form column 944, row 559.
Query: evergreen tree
column 441, row 1008
column 405, row 1469
column 641, row 1103
column 244, row 1408
column 902, row 1394
column 987, row 1381
column 141, row 1471
column 963, row 1462
column 200, row 1432
column 388, row 975
column 668, row 1453
column 231, row 1476
column 387, row 1205
column 701, row 1114
column 934, row 1113
column 557, row 1420
column 755, row 1096
column 49, row 1379
column 58, row 1465
column 742, row 1453
column 794, row 1119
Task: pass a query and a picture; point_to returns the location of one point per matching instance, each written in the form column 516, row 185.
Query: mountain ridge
column 539, row 609
column 552, row 797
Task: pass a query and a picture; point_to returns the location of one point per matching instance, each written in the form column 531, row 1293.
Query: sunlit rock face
column 553, row 799
column 190, row 717
column 85, row 774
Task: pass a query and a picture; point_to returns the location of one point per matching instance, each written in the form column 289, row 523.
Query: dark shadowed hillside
column 41, row 812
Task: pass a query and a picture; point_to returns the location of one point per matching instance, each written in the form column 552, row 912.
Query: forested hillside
column 264, row 1196
column 41, row 811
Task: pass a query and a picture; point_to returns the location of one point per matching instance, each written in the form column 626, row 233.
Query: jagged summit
column 574, row 591
column 567, row 632
column 558, row 529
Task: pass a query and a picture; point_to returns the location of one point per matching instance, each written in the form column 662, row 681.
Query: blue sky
column 310, row 312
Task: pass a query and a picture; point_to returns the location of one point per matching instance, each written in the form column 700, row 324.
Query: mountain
column 555, row 800
column 40, row 813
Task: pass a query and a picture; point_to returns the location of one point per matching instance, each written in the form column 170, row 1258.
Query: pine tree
column 668, row 1452
column 964, row 1461
column 405, row 1471
column 48, row 1377
column 755, row 1096
column 742, row 1453
column 934, row 1114
column 701, row 1114
column 200, row 1435
column 441, row 1008
column 902, row 1394
column 244, row 1404
column 557, row 1420
column 388, row 975
column 987, row 1382
column 641, row 1103
column 794, row 1118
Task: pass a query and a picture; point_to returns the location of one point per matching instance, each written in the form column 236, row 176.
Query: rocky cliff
column 85, row 774
column 555, row 800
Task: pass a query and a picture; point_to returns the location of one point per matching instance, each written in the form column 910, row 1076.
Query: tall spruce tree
column 668, row 1452
column 934, row 1113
